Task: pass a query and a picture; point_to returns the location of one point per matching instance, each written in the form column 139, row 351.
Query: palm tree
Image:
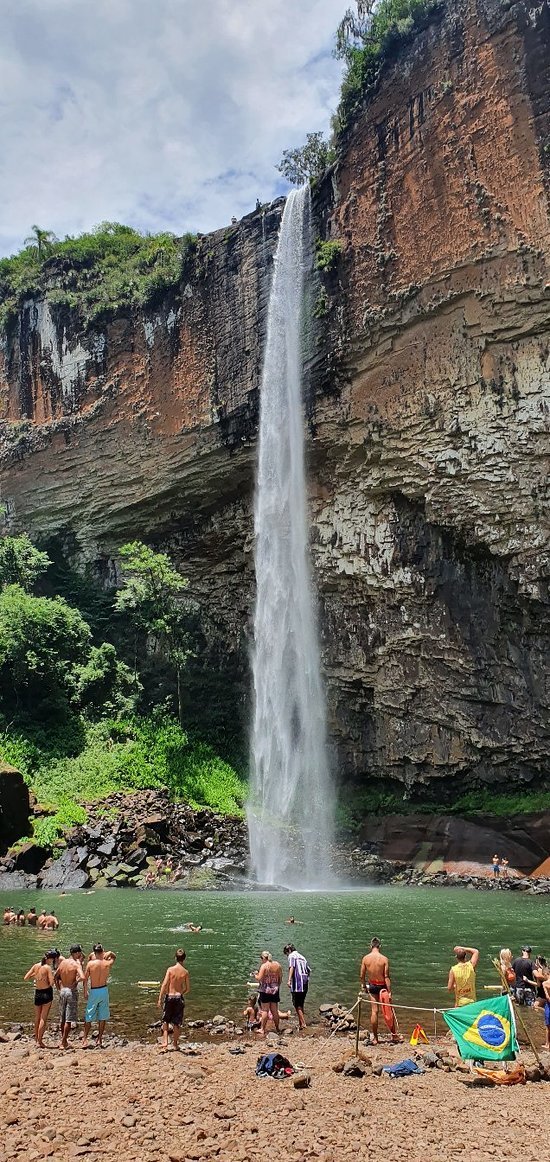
column 42, row 240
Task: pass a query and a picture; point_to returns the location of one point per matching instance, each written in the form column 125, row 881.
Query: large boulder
column 30, row 857
column 15, row 806
column 64, row 873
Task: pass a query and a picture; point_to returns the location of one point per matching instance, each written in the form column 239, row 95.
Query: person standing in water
column 97, row 1008
column 462, row 975
column 298, row 981
column 175, row 986
column 375, row 977
column 43, row 976
column 68, row 976
column 269, row 977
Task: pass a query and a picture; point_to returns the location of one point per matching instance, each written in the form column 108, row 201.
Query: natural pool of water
column 418, row 928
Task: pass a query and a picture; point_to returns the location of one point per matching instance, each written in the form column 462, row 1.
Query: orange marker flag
column 417, row 1035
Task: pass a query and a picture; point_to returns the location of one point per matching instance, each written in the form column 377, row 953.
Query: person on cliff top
column 375, row 978
column 43, row 976
column 269, row 978
column 299, row 973
column 95, row 979
column 496, row 866
column 69, row 974
column 175, row 986
column 462, row 975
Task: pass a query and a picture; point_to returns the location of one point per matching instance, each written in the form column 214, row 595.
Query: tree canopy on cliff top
column 97, row 272
column 366, row 39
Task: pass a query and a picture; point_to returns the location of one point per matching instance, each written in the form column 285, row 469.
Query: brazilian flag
column 485, row 1030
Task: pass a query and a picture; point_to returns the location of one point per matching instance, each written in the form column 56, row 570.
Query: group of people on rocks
column 164, row 872
column 500, row 864
column 18, row 917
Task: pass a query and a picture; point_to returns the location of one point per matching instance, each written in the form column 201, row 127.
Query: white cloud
column 169, row 114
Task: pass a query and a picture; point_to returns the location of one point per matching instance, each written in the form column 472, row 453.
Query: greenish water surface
column 418, row 928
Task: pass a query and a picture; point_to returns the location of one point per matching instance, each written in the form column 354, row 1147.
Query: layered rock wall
column 427, row 415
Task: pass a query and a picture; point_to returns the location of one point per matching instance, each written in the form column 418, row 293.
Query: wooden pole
column 505, row 986
column 358, row 1030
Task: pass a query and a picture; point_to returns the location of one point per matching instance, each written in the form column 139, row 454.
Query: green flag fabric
column 485, row 1030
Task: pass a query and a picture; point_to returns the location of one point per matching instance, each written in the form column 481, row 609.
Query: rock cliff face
column 428, row 415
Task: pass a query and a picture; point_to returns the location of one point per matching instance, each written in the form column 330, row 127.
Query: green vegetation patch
column 122, row 755
column 95, row 273
column 327, row 254
column 357, row 804
column 367, row 40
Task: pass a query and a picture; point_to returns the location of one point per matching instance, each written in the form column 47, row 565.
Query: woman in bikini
column 269, row 977
column 42, row 975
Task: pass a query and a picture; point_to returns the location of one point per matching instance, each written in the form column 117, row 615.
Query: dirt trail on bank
column 134, row 1104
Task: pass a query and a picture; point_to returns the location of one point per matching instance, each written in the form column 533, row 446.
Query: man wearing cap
column 523, row 967
column 97, row 1008
column 67, row 978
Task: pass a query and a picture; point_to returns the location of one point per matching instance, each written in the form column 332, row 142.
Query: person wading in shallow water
column 67, row 978
column 42, row 974
column 269, row 978
column 97, row 1008
column 173, row 989
column 375, row 976
column 462, row 975
column 298, row 981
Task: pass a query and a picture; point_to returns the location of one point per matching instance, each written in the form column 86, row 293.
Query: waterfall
column 290, row 809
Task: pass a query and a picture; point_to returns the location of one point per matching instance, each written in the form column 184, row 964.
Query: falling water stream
column 290, row 810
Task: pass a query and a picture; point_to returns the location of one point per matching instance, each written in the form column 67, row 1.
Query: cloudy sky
column 165, row 114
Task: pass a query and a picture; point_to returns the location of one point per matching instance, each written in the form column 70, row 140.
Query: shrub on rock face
column 42, row 639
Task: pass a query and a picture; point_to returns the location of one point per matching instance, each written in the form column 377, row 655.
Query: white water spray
column 290, row 811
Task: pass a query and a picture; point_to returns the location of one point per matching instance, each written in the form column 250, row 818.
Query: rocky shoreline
column 144, row 840
column 120, row 1103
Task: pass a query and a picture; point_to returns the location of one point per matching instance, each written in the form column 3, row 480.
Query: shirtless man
column 32, row 918
column 173, row 989
column 67, row 978
column 375, row 976
column 97, row 1008
column 42, row 919
column 51, row 922
column 9, row 915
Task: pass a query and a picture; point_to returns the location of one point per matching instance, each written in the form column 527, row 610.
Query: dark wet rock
column 16, row 881
column 64, row 873
column 15, row 805
column 107, row 847
column 30, row 858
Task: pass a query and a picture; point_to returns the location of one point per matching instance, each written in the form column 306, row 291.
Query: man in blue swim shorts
column 95, row 981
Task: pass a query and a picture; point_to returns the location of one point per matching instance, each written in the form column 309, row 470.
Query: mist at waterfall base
column 291, row 805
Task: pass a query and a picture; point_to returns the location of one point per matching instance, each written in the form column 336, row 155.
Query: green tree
column 104, row 684
column 309, row 161
column 152, row 597
column 42, row 640
column 20, row 562
column 353, row 29
column 42, row 240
